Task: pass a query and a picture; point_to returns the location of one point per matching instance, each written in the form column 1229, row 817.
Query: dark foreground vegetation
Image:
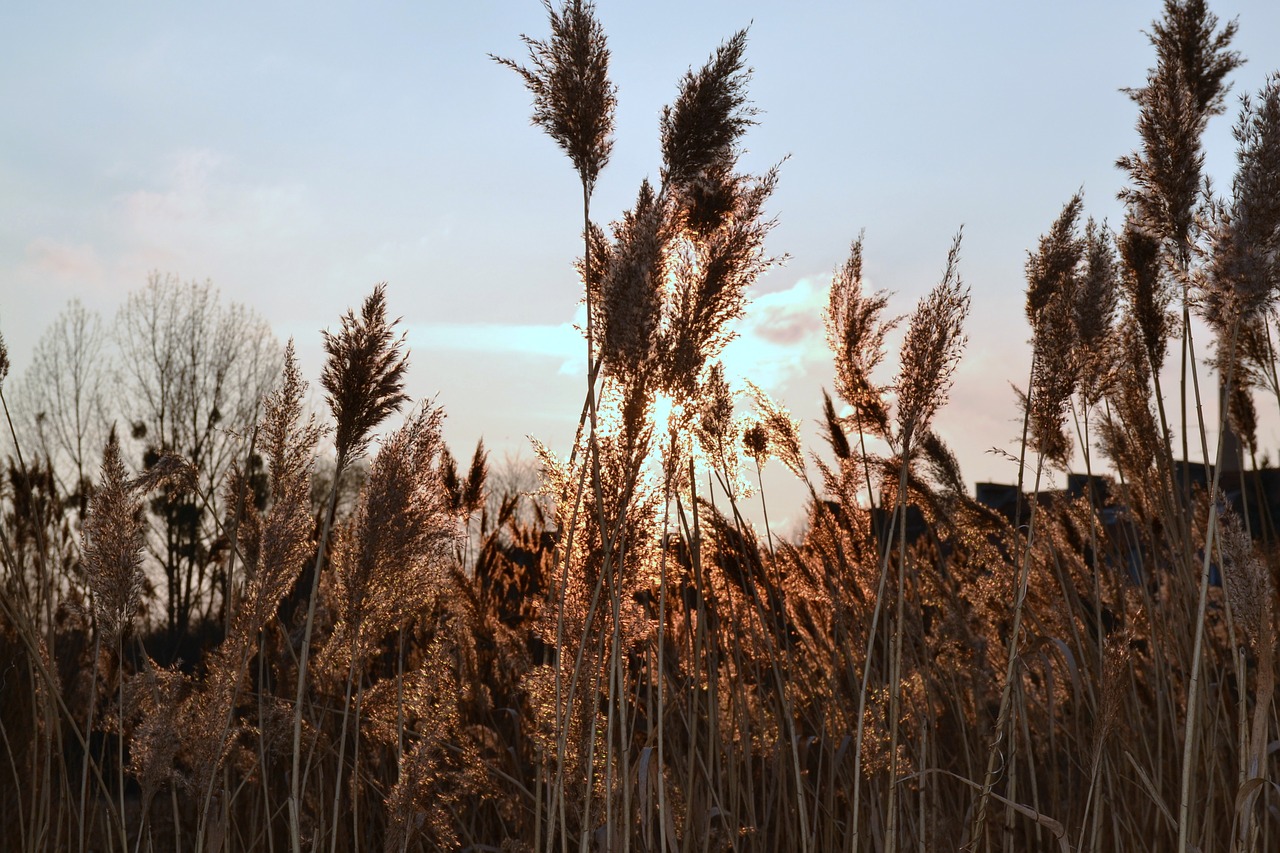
column 226, row 624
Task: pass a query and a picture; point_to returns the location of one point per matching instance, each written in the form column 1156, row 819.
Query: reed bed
column 622, row 661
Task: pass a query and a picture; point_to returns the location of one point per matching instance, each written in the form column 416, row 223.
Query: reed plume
column 1097, row 298
column 363, row 375
column 711, row 277
column 1182, row 91
column 1243, row 270
column 700, row 130
column 1246, row 578
column 289, row 440
column 633, row 288
column 856, row 329
column 573, row 100
column 1147, row 291
column 1051, row 270
column 114, row 538
column 388, row 564
column 1053, row 278
column 931, row 350
column 783, row 432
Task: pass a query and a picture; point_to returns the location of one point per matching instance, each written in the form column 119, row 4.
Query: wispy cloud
column 71, row 262
column 562, row 343
column 779, row 339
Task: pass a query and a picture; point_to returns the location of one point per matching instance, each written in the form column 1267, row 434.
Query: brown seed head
column 856, row 330
column 387, row 563
column 1243, row 275
column 700, row 131
column 1186, row 87
column 1095, row 308
column 1052, row 269
column 1245, row 576
column 1053, row 277
column 364, row 374
column 711, row 277
column 289, row 441
column 783, row 431
column 633, row 286
column 932, row 348
column 1185, row 38
column 113, row 540
column 755, row 440
column 573, row 100
column 1147, row 290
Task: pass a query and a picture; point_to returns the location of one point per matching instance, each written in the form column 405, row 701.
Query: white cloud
column 77, row 263
column 781, row 337
column 201, row 207
column 563, row 342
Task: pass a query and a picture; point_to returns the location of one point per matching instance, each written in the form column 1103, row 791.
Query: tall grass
column 624, row 662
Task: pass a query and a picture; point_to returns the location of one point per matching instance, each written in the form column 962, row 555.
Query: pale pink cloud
column 70, row 262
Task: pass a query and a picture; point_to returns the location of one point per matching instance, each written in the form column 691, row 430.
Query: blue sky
column 297, row 153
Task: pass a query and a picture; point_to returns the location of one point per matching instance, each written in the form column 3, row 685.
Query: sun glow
column 664, row 413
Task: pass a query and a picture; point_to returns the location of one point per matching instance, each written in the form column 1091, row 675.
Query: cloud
column 561, row 342
column 201, row 206
column 78, row 263
column 781, row 337
column 789, row 317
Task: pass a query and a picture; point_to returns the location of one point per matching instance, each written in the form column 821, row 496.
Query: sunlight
column 663, row 411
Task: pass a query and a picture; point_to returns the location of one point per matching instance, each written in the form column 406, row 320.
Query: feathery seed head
column 783, row 432
column 284, row 535
column 113, row 541
column 711, row 274
column 169, row 471
column 1245, row 576
column 1243, row 274
column 942, row 463
column 1147, row 290
column 289, row 441
column 755, row 440
column 1185, row 39
column 1186, row 87
column 601, row 257
column 1131, row 435
column 932, row 348
column 1099, row 287
column 633, row 285
column 364, row 374
column 835, row 428
column 387, row 561
column 715, row 408
column 856, row 329
column 573, row 100
column 4, row 359
column 1053, row 279
column 1097, row 296
column 700, row 131
column 474, row 494
column 1242, row 414
column 1052, row 269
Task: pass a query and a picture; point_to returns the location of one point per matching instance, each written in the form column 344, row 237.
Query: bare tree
column 61, row 400
column 191, row 374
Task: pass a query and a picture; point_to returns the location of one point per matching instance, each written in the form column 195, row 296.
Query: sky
column 296, row 154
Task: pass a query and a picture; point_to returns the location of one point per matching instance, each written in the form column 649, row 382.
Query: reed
column 411, row 656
